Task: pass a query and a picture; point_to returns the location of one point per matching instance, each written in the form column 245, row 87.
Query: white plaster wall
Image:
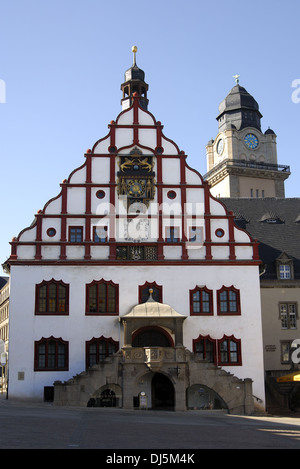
column 54, row 207
column 77, row 328
column 169, row 147
column 100, row 170
column 192, row 177
column 102, row 147
column 171, row 170
column 145, row 118
column 147, row 137
column 124, row 137
column 76, row 200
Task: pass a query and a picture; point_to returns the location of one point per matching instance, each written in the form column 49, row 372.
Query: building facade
column 134, row 284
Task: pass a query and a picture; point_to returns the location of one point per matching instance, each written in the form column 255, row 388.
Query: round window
column 51, row 232
column 219, row 232
column 100, row 194
column 171, row 194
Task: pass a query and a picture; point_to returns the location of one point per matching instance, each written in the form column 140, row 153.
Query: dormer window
column 284, row 267
column 284, row 271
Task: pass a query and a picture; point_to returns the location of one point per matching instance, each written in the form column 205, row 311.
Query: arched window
column 201, row 301
column 102, row 297
column 51, row 355
column 98, row 349
column 144, row 292
column 205, row 348
column 52, row 297
column 229, row 351
column 228, row 301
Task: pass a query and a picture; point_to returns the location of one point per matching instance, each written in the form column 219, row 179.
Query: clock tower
column 242, row 160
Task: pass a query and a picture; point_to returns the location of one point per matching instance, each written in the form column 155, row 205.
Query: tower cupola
column 134, row 83
column 239, row 110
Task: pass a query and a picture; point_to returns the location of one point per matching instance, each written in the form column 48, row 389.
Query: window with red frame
column 144, row 292
column 102, row 298
column 98, row 349
column 229, row 351
column 201, row 301
column 51, row 355
column 228, row 301
column 205, row 348
column 52, row 297
column 172, row 234
column 76, row 234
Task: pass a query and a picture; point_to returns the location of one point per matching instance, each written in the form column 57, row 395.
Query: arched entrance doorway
column 163, row 393
column 152, row 337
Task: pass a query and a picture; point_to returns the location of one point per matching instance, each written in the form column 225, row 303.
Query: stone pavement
column 26, row 425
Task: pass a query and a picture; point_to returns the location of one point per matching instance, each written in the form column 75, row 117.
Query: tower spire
column 134, row 83
column 134, row 50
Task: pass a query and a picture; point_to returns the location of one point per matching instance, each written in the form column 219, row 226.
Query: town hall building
column 134, row 287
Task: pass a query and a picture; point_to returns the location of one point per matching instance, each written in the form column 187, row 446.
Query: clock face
column 251, row 141
column 220, row 147
column 136, row 188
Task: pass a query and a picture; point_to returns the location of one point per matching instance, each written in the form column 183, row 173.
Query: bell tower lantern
column 134, row 83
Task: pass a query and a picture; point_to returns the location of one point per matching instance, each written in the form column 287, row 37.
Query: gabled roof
column 280, row 235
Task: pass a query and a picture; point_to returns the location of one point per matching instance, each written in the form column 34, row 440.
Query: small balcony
column 242, row 165
column 154, row 356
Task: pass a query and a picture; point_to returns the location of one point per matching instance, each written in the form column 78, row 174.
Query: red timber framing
column 85, row 219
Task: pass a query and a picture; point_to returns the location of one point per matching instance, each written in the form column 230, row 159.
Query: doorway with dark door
column 163, row 393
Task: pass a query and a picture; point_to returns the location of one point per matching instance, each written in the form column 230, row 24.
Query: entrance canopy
column 152, row 313
column 291, row 377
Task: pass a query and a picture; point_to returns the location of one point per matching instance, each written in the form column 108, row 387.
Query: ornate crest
column 136, row 177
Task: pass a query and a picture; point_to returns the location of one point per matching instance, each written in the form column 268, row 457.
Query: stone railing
column 228, row 162
column 154, row 355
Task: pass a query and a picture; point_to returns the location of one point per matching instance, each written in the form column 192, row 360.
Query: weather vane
column 134, row 50
column 236, row 77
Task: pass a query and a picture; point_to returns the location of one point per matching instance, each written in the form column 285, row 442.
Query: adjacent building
column 244, row 174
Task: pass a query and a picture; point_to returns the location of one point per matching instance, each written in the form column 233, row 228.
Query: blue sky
column 62, row 62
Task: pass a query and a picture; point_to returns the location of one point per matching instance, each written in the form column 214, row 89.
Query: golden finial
column 134, row 50
column 236, row 77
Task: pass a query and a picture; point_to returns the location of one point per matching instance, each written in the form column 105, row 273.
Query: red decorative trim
column 88, row 168
column 88, row 201
column 169, row 262
column 64, row 198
